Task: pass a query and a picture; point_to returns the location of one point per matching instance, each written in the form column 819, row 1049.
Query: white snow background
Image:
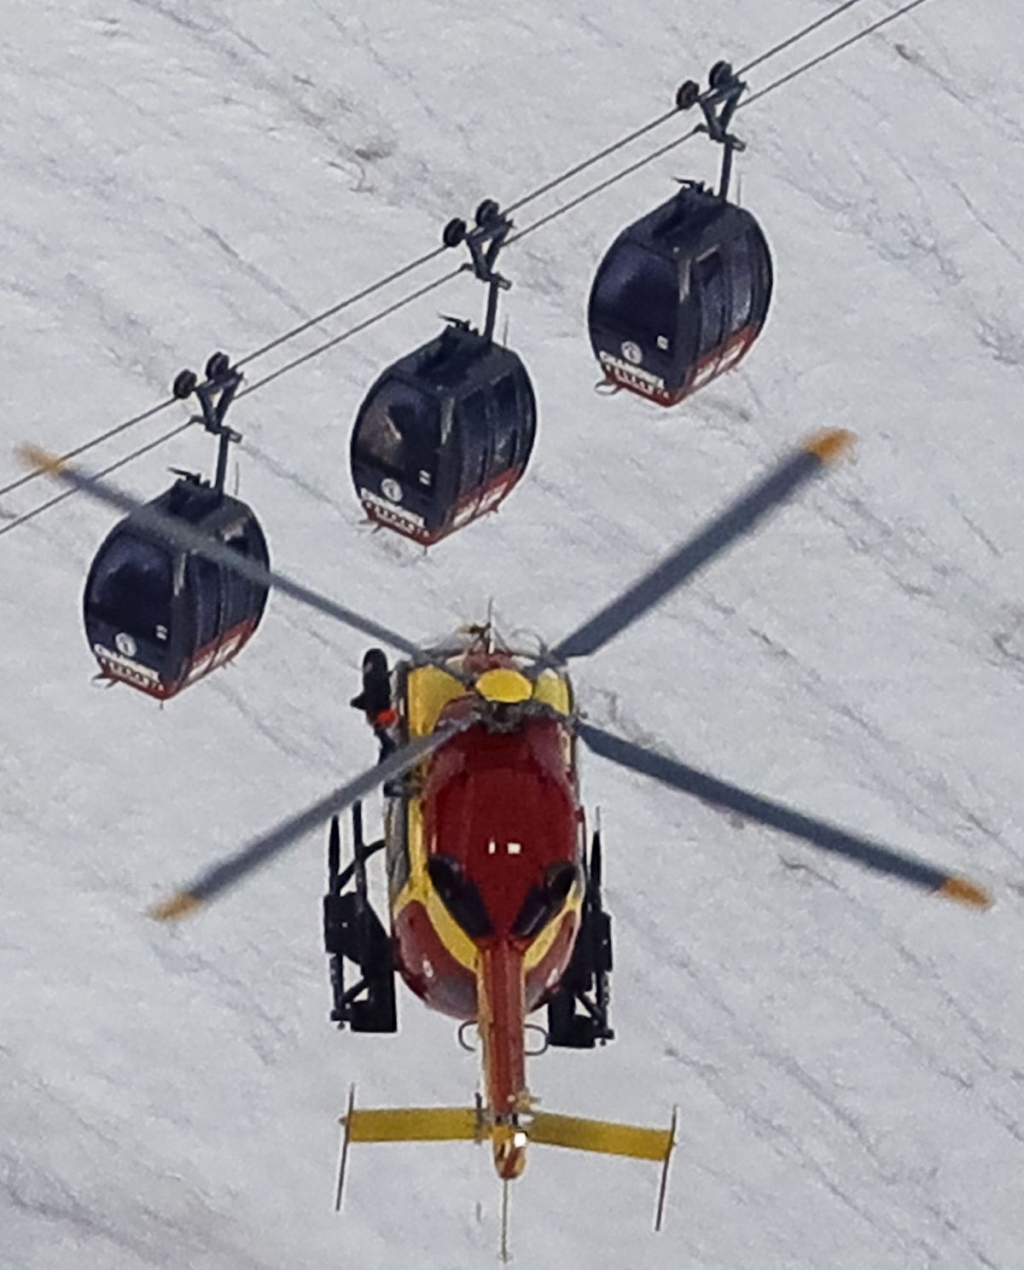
column 178, row 176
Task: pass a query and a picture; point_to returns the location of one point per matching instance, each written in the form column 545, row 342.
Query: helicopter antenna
column 215, row 394
column 506, row 1255
column 718, row 105
column 484, row 241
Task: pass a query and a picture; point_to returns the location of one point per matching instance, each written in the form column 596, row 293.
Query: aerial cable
column 836, row 48
column 379, row 316
column 59, row 498
column 602, row 185
column 577, row 168
column 425, row 259
column 379, row 285
column 797, row 37
column 87, row 445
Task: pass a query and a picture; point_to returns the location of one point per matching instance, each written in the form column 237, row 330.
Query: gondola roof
column 197, row 503
column 459, row 358
column 694, row 220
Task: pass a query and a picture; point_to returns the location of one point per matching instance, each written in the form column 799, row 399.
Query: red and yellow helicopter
column 495, row 899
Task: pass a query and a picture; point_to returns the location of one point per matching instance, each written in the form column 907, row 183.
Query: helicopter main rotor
column 739, row 518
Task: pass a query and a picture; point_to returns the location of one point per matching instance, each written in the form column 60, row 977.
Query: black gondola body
column 443, row 436
column 680, row 296
column 157, row 616
column 683, row 292
column 445, row 433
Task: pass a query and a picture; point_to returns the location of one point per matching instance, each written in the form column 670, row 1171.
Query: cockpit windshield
column 545, row 901
column 461, row 896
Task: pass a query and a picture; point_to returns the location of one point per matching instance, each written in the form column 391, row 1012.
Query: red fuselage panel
column 503, row 806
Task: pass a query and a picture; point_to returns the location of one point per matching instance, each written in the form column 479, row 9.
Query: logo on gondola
column 632, row 376
column 125, row 644
column 391, row 490
column 632, row 352
column 382, row 510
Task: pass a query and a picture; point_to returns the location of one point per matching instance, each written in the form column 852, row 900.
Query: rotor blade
column 184, row 535
column 738, row 519
column 818, row 833
column 231, row 870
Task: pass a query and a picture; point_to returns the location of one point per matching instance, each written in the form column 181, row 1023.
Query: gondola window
column 637, row 294
column 133, row 587
column 709, row 276
column 471, row 414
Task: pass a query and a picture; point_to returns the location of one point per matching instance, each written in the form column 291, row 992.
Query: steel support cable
column 404, row 270
column 602, row 185
column 87, row 445
column 420, row 261
column 577, row 168
column 379, row 316
column 783, row 79
column 59, row 498
column 373, row 287
column 797, row 37
column 831, row 52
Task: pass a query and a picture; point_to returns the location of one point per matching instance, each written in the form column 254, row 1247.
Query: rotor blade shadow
column 819, row 833
column 189, row 538
column 230, row 871
column 737, row 519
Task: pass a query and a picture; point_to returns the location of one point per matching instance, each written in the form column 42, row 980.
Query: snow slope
column 848, row 1059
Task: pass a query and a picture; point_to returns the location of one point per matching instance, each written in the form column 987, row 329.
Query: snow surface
column 847, row 1056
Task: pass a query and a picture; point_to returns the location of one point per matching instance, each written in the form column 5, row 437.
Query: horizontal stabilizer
column 600, row 1135
column 475, row 1124
column 414, row 1124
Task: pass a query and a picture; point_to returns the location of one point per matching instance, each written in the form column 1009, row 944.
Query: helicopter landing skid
column 353, row 932
column 578, row 1012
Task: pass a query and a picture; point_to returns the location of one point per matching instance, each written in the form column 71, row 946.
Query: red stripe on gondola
column 726, row 357
column 218, row 652
column 487, row 498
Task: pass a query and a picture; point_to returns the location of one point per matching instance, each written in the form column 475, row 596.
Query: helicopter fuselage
column 484, row 846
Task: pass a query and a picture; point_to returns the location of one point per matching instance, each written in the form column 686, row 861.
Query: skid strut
column 354, row 933
column 578, row 1012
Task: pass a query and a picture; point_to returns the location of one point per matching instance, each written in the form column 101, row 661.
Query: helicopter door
column 130, row 607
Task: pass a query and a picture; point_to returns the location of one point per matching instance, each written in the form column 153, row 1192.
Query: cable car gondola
column 683, row 292
column 159, row 617
column 445, row 433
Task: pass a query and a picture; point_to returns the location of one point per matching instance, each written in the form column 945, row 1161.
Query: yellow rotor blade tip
column 176, row 907
column 830, row 446
column 966, row 892
column 40, row 460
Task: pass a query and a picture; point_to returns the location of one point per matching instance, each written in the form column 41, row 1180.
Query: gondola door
column 474, row 444
column 731, row 289
column 205, row 585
